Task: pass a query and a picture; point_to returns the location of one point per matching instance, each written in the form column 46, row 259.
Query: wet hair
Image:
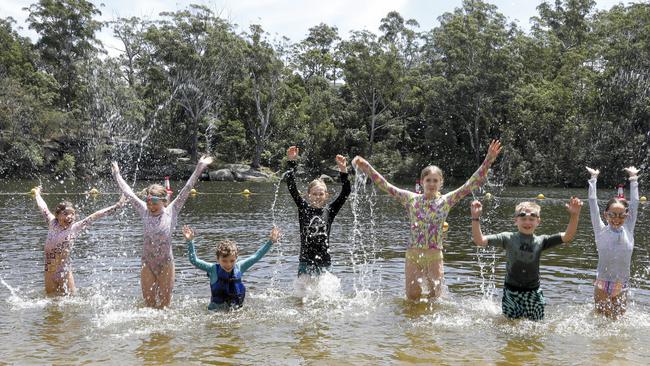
column 314, row 183
column 155, row 190
column 527, row 205
column 226, row 248
column 431, row 169
column 615, row 200
column 62, row 206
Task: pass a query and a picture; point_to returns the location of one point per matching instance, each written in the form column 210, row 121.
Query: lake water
column 359, row 316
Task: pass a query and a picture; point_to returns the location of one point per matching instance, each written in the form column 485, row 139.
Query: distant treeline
column 573, row 91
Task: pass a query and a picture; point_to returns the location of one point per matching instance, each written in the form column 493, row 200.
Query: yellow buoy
column 246, row 192
column 488, row 196
column 94, row 191
column 643, row 199
column 193, row 192
column 540, row 196
column 445, row 227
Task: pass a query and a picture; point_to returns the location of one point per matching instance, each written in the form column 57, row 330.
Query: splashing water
column 363, row 236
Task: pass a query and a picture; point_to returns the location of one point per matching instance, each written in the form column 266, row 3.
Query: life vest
column 228, row 288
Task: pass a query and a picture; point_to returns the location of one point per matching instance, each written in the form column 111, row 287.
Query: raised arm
column 292, row 155
column 345, row 191
column 137, row 203
column 42, row 206
column 478, row 178
column 477, row 236
column 247, row 263
column 401, row 195
column 188, row 232
column 594, row 212
column 573, row 207
column 633, row 208
column 178, row 203
column 82, row 224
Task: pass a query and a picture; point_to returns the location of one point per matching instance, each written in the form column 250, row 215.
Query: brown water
column 358, row 316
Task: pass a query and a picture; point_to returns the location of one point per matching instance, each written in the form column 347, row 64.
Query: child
column 427, row 213
column 521, row 294
column 159, row 218
column 315, row 216
column 228, row 290
column 614, row 242
column 62, row 231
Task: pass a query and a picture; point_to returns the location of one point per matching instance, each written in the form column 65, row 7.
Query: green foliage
column 66, row 166
column 574, row 91
column 67, row 36
column 21, row 157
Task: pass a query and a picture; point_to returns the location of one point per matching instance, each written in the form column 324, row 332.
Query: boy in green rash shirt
column 522, row 296
column 226, row 286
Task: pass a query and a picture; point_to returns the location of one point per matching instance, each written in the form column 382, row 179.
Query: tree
column 67, row 36
column 372, row 76
column 471, row 50
column 266, row 75
column 199, row 54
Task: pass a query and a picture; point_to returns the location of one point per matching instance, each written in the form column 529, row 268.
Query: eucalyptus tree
column 317, row 64
column 265, row 78
column 27, row 113
column 472, row 57
column 620, row 131
column 131, row 33
column 372, row 80
column 67, row 37
column 401, row 39
column 199, row 54
column 553, row 103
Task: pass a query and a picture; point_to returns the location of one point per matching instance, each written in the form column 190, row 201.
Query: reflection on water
column 523, row 351
column 356, row 315
column 156, row 349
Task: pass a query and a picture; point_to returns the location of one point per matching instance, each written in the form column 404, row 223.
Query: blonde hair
column 528, row 206
column 316, row 182
column 431, row 169
column 226, row 248
column 155, row 190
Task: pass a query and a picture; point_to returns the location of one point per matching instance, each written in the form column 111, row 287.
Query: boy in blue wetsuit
column 522, row 297
column 228, row 290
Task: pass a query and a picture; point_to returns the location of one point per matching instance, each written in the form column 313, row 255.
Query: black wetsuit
column 315, row 223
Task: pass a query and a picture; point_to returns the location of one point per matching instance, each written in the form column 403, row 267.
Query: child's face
column 228, row 262
column 616, row 215
column 431, row 183
column 156, row 204
column 527, row 221
column 66, row 217
column 318, row 196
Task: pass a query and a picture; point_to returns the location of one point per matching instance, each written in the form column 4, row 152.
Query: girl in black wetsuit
column 316, row 216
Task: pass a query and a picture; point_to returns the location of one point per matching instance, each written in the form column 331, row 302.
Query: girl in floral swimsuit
column 60, row 241
column 427, row 213
column 159, row 218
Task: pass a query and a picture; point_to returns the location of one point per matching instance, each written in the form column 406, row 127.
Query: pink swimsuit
column 157, row 250
column 60, row 241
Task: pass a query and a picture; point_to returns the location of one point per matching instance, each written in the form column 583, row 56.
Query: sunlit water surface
column 357, row 316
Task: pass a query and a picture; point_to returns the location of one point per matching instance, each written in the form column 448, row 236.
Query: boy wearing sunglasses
column 615, row 243
column 522, row 296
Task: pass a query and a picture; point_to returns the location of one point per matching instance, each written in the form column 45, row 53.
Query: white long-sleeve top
column 614, row 246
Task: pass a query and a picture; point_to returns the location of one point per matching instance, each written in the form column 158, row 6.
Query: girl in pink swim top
column 159, row 218
column 427, row 213
column 62, row 230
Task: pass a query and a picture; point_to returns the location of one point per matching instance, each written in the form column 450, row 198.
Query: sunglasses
column 524, row 214
column 614, row 215
column 156, row 199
